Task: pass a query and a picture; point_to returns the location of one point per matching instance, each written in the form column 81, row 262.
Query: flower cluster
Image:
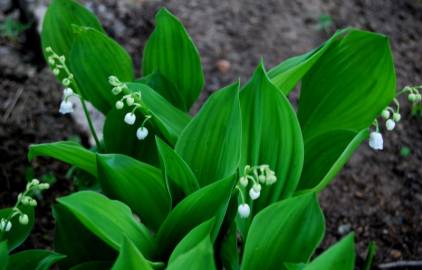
column 24, row 199
column 58, row 64
column 131, row 100
column 392, row 116
column 255, row 176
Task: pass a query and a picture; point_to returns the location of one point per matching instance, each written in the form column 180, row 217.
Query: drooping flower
column 396, row 117
column 141, row 133
column 244, row 210
column 66, row 107
column 386, row 114
column 390, row 124
column 5, row 225
column 254, row 194
column 67, row 92
column 119, row 104
column 23, row 219
column 130, row 118
column 375, row 140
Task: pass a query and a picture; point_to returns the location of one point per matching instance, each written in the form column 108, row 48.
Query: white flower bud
column 411, row 97
column 141, row 133
column 261, row 178
column 375, row 141
column 5, row 225
column 385, row 114
column 51, row 60
column 130, row 118
column 257, row 187
column 113, row 80
column 271, row 178
column 418, row 98
column 244, row 210
column 66, row 82
column 32, row 202
column 48, row 49
column 390, row 124
column 243, row 181
column 119, row 105
column 66, row 107
column 116, row 90
column 67, row 92
column 56, row 71
column 396, row 117
column 62, row 58
column 254, row 194
column 23, row 219
column 130, row 101
column 35, row 182
column 43, row 186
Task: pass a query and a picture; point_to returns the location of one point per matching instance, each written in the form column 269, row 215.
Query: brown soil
column 378, row 193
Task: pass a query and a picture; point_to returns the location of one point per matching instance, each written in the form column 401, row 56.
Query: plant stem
column 91, row 126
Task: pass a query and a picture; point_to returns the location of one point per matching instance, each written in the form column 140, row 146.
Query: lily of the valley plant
column 234, row 186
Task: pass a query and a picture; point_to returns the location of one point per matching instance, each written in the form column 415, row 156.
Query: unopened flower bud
column 32, row 202
column 254, row 194
column 243, row 181
column 257, row 187
column 23, row 219
column 385, row 114
column 130, row 101
column 35, row 182
column 43, row 186
column 271, row 179
column 130, row 118
column 62, row 58
column 244, row 210
column 66, row 82
column 261, row 178
column 66, row 107
column 26, row 200
column 48, row 49
column 411, row 97
column 113, row 80
column 119, row 105
column 51, row 60
column 141, row 133
column 418, row 98
column 390, row 124
column 396, row 117
column 67, row 92
column 375, row 141
column 56, row 71
column 5, row 225
column 116, row 90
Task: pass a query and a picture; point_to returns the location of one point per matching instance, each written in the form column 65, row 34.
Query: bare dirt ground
column 378, row 194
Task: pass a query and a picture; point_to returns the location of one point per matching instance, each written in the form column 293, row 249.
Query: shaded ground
column 378, row 193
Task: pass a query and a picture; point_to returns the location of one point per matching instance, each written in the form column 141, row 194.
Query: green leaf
column 94, row 265
column 68, row 228
column 93, row 58
column 57, row 30
column 271, row 135
column 179, row 176
column 36, row 259
column 130, row 258
column 18, row 234
column 169, row 120
column 340, row 256
column 181, row 66
column 286, row 231
column 321, row 152
column 286, row 75
column 196, row 208
column 68, row 152
column 199, row 257
column 120, row 138
column 109, row 220
column 346, row 89
column 136, row 184
column 192, row 239
column 211, row 142
column 4, row 255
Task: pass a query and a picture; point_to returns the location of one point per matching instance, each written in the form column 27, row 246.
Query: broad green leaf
column 110, row 220
column 18, row 234
column 171, row 52
column 340, row 256
column 130, row 258
column 169, row 120
column 286, row 75
column 286, row 231
column 211, row 142
column 346, row 89
column 271, row 135
column 193, row 238
column 36, row 259
column 68, row 228
column 93, row 58
column 180, row 178
column 57, row 30
column 139, row 185
column 68, row 152
column 199, row 257
column 336, row 151
column 227, row 239
column 196, row 208
column 120, row 138
column 4, row 255
column 94, row 265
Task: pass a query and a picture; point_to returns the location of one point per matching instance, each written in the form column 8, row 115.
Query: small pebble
column 396, row 254
column 223, row 66
column 359, row 194
column 344, row 229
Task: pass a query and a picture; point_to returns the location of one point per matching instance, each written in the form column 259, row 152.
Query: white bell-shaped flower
column 130, row 118
column 375, row 141
column 5, row 225
column 23, row 219
column 130, row 101
column 254, row 194
column 385, row 114
column 141, row 133
column 66, row 107
column 396, row 117
column 390, row 124
column 244, row 210
column 243, row 181
column 257, row 187
column 119, row 104
column 67, row 92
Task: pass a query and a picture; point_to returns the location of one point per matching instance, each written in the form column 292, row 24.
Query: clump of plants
column 234, row 186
